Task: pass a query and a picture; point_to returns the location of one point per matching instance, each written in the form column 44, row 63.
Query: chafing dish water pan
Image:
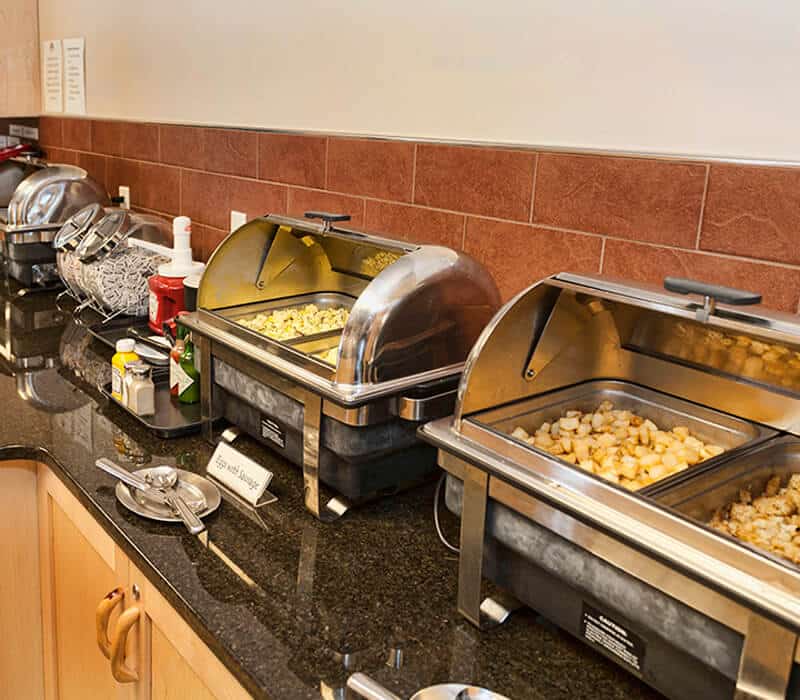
column 692, row 612
column 344, row 403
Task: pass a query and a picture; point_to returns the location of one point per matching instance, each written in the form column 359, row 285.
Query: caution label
column 608, row 634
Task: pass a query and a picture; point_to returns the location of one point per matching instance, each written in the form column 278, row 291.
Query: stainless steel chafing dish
column 414, row 312
column 40, row 205
column 638, row 575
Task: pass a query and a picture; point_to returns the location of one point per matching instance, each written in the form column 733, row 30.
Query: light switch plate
column 125, row 193
column 30, row 132
column 238, row 219
column 16, row 130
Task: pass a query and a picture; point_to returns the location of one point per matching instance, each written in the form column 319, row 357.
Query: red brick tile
column 95, row 165
column 415, row 224
column 77, row 134
column 107, row 137
column 656, row 201
column 153, row 186
column 302, row 200
column 780, row 286
column 257, row 198
column 205, row 240
column 140, row 141
column 183, row 145
column 50, row 131
column 486, row 181
column 374, row 168
column 232, row 151
column 206, row 198
column 291, row 158
column 753, row 211
column 61, row 155
column 517, row 255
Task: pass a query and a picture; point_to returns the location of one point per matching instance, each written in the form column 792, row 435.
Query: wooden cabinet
column 51, row 635
column 80, row 564
column 19, row 60
column 20, row 609
column 178, row 665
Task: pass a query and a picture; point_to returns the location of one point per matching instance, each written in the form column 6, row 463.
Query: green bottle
column 188, row 376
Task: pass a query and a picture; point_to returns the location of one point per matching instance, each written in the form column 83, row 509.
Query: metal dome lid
column 53, row 194
column 71, row 233
column 102, row 238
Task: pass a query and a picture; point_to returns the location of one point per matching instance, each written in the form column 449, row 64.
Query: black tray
column 171, row 419
column 110, row 332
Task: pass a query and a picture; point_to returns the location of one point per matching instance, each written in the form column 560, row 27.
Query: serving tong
column 159, row 486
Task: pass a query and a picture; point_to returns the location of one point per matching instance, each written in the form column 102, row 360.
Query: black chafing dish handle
column 711, row 293
column 327, row 216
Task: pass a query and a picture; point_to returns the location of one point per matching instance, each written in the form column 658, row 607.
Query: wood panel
column 21, row 671
column 172, row 677
column 19, row 58
column 81, row 578
column 79, row 565
column 181, row 665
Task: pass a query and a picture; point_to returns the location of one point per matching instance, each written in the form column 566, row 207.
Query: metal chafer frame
column 355, row 392
column 531, row 347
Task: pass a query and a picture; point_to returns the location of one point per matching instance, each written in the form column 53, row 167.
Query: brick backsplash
column 522, row 213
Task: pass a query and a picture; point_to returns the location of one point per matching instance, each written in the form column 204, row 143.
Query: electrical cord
column 436, row 522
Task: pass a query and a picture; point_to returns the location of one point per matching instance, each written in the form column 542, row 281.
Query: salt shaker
column 141, row 390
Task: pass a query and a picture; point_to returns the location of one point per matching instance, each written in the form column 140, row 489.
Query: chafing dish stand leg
column 312, row 421
column 494, row 610
column 766, row 662
column 203, row 346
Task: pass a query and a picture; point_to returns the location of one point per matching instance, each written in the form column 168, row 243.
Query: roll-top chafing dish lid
column 12, row 172
column 116, row 227
column 567, row 329
column 414, row 309
column 48, row 197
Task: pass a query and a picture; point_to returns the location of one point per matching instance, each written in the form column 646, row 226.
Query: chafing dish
column 40, row 205
column 349, row 421
column 689, row 610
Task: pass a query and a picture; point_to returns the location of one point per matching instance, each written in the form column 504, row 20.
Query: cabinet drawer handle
column 108, row 604
column 121, row 673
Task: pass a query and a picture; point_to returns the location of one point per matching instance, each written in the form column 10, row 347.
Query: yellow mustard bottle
column 123, row 355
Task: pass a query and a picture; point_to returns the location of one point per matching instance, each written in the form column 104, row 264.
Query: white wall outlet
column 238, row 219
column 125, row 193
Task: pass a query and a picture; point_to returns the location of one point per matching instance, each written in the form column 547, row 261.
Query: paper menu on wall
column 52, row 76
column 74, row 76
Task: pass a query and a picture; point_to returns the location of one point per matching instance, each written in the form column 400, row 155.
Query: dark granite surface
column 290, row 606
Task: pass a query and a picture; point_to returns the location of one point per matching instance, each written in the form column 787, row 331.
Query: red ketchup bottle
column 166, row 288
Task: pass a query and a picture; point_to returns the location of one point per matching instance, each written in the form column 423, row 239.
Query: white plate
column 194, row 488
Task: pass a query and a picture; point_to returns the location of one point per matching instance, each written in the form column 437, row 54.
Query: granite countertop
column 291, row 606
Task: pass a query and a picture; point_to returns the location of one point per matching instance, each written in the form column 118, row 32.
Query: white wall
column 703, row 77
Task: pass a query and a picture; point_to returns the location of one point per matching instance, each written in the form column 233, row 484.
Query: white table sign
column 52, row 76
column 240, row 474
column 74, row 76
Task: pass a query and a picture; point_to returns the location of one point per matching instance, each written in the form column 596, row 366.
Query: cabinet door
column 179, row 665
column 20, row 598
column 80, row 564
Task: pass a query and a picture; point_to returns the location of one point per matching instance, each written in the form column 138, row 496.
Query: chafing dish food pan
column 710, row 494
column 343, row 403
column 690, row 611
column 713, row 428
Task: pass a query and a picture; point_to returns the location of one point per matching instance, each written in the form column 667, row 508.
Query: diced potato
column 621, row 446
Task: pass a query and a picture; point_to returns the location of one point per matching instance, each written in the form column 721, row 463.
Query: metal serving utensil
column 165, row 479
column 153, row 489
column 367, row 688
